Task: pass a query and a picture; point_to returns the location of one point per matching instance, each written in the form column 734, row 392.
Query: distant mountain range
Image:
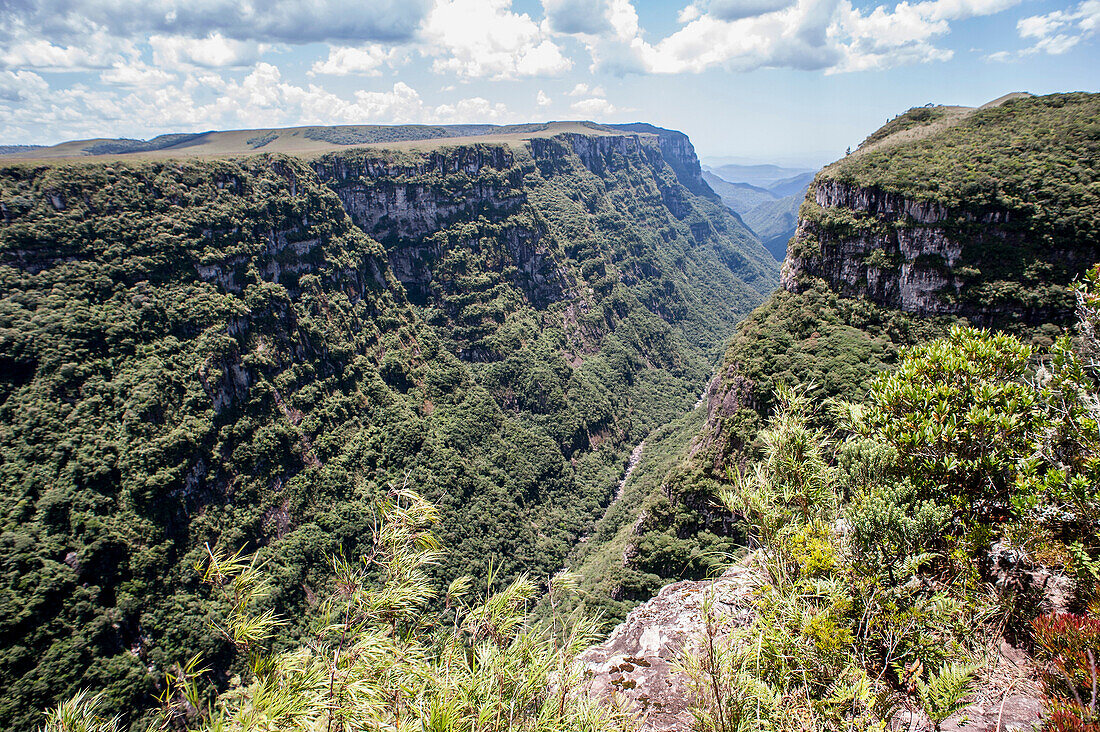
column 316, row 140
column 766, row 197
column 763, row 175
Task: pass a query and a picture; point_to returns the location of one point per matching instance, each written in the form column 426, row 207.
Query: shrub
column 1068, row 649
column 960, row 416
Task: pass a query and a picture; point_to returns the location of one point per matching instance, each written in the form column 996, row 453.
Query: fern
column 946, row 690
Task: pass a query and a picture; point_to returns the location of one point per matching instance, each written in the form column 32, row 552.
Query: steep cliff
column 985, row 214
column 981, row 214
column 989, row 217
column 247, row 352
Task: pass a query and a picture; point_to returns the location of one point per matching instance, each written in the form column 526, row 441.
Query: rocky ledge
column 638, row 668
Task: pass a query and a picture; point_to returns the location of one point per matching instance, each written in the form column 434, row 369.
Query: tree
column 961, row 417
column 379, row 657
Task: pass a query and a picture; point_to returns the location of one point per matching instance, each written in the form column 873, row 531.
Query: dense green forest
column 873, row 603
column 828, row 336
column 307, row 446
column 214, row 352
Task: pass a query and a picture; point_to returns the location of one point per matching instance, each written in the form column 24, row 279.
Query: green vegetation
column 775, row 222
column 915, row 117
column 258, row 354
column 260, row 140
column 871, row 597
column 122, row 146
column 1035, row 155
column 837, row 343
column 212, row 351
column 880, row 485
column 666, row 525
column 650, row 536
column 366, row 134
column 1015, row 186
column 378, row 657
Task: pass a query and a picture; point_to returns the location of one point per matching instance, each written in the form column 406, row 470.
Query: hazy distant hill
column 770, row 209
column 796, row 184
column 764, row 175
column 774, row 221
column 740, row 197
column 10, row 149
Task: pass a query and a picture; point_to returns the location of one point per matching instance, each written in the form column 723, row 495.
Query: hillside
column 775, row 221
column 250, row 351
column 894, row 245
column 770, row 211
column 989, row 218
column 739, row 197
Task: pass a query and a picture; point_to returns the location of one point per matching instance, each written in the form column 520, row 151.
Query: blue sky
column 792, row 81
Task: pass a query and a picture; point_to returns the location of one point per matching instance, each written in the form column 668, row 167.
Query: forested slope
column 248, row 352
column 988, row 220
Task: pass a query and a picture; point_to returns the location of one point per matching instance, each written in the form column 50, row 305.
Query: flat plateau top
column 309, row 141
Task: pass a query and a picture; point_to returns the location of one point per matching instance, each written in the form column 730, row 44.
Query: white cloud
column 96, row 51
column 581, row 89
column 205, row 99
column 135, row 74
column 593, row 108
column 484, row 38
column 688, row 13
column 343, row 61
column 473, row 109
column 578, row 16
column 19, row 86
column 1059, row 31
column 830, row 35
column 542, row 99
column 623, row 18
column 214, row 51
column 289, row 21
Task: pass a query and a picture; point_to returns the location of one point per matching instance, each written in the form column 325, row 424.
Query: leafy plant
column 80, row 713
column 946, row 691
column 960, row 416
column 1068, row 648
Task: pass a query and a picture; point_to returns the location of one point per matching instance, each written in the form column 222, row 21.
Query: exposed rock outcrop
column 679, row 153
column 896, row 251
column 396, row 199
column 638, row 668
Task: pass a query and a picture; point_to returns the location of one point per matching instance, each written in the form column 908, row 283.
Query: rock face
column 402, row 204
column 679, row 153
column 922, row 257
column 463, row 222
column 636, row 667
column 395, row 200
column 897, row 252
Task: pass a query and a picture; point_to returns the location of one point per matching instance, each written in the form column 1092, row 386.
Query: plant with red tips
column 1068, row 647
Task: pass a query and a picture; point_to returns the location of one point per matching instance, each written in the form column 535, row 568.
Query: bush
column 960, row 416
column 1068, row 648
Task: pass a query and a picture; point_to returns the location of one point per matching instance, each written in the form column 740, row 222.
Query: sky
column 787, row 81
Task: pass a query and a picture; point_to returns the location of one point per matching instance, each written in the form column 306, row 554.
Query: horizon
column 792, row 82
